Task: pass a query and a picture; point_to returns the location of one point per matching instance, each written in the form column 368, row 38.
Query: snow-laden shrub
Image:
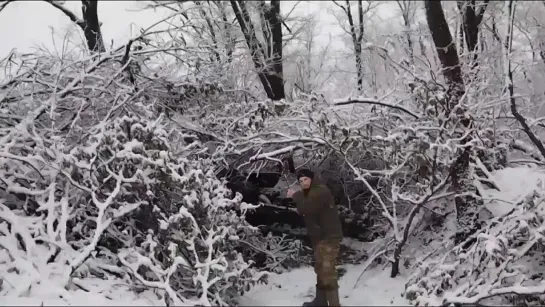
column 496, row 265
column 280, row 253
column 94, row 184
column 122, row 197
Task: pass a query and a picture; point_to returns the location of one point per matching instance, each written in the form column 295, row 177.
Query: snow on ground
column 375, row 288
column 42, row 286
column 514, row 184
column 78, row 299
column 48, row 295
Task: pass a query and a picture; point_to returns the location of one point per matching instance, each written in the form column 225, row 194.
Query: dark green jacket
column 317, row 206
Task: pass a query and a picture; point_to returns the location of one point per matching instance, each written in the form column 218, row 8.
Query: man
column 316, row 204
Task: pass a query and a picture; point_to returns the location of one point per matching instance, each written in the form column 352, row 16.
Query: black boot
column 332, row 297
column 319, row 300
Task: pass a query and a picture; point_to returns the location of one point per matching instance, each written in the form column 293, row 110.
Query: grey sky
column 25, row 24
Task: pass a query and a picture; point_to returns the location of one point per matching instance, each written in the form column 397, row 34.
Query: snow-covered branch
column 374, row 102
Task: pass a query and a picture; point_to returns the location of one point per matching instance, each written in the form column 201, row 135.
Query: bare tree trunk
column 271, row 77
column 359, row 42
column 445, row 46
column 277, row 77
column 472, row 18
column 407, row 229
column 91, row 26
column 356, row 33
column 459, row 171
column 357, row 39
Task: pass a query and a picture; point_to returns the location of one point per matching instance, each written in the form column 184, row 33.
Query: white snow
column 514, row 184
column 114, row 296
column 79, row 299
column 375, row 288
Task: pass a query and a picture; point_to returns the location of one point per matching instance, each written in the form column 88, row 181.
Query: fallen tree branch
column 374, row 102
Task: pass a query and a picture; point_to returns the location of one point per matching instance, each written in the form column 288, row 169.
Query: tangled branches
column 491, row 265
column 101, row 192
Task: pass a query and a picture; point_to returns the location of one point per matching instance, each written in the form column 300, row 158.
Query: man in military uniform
column 316, row 204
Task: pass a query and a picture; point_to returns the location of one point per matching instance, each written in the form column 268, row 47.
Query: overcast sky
column 25, row 24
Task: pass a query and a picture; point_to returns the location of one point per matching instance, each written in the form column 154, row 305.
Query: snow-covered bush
column 502, row 259
column 100, row 191
column 185, row 233
column 280, row 253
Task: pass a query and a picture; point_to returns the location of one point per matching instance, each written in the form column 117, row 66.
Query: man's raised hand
column 290, row 193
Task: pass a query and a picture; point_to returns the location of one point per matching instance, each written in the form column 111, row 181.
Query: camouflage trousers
column 326, row 253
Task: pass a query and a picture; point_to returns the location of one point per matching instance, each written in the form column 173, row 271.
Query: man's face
column 305, row 182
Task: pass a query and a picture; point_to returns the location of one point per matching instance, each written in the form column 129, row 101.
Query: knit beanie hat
column 305, row 173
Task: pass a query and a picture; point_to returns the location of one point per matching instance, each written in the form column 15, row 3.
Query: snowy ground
column 375, row 288
column 81, row 299
column 514, row 184
column 108, row 294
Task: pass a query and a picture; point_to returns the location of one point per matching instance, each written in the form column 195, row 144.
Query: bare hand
column 290, row 193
